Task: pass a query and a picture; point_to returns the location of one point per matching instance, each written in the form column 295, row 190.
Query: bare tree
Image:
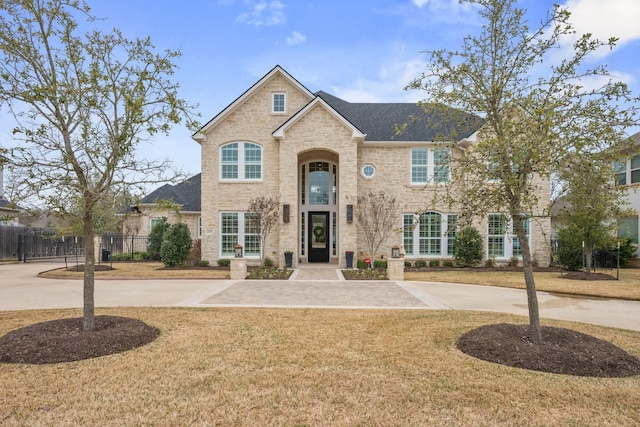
column 82, row 104
column 263, row 216
column 376, row 214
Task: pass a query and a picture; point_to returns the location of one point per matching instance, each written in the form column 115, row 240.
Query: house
column 628, row 174
column 316, row 153
column 9, row 214
column 177, row 203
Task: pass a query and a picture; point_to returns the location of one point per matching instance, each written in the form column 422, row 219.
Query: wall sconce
column 286, row 209
column 238, row 251
column 395, row 252
column 349, row 214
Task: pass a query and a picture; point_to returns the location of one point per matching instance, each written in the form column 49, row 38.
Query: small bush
column 513, row 262
column 379, row 263
column 195, row 255
column 420, row 263
column 268, row 263
column 360, row 264
column 467, row 249
column 155, row 239
column 137, row 256
column 176, row 245
column 407, row 264
column 434, row 263
column 447, row 263
column 490, row 263
column 223, row 262
column 203, row 263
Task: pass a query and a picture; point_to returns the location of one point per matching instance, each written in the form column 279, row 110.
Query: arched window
column 241, row 161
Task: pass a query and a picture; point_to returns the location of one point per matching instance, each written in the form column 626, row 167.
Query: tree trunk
column 535, row 330
column 588, row 256
column 89, row 270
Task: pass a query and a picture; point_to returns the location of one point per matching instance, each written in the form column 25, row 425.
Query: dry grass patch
column 307, row 367
column 628, row 287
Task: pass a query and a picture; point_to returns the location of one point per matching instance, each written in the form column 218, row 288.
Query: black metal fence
column 122, row 247
column 33, row 244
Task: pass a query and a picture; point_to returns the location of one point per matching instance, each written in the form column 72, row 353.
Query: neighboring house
column 317, row 153
column 183, row 206
column 9, row 214
column 628, row 174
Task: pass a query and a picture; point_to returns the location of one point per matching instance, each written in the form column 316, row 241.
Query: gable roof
column 186, row 194
column 355, row 132
column 277, row 70
column 379, row 120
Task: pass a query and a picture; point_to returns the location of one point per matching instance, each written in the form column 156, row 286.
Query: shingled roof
column 186, row 194
column 379, row 120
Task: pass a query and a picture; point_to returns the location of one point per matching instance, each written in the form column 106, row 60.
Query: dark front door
column 318, row 236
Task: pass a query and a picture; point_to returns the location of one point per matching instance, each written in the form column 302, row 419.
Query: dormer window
column 279, row 103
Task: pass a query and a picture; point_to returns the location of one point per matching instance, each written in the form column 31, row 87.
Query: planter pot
column 349, row 256
column 288, row 260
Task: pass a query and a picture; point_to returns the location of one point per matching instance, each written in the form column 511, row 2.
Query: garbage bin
column 349, row 255
column 105, row 255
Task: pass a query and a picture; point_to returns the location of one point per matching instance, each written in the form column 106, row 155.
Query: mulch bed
column 563, row 351
column 63, row 340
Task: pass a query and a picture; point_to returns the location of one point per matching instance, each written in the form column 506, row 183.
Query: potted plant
column 288, row 258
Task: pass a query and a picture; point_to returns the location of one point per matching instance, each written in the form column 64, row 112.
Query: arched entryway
column 318, row 206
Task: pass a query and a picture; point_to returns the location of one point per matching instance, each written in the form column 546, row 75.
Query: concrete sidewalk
column 310, row 286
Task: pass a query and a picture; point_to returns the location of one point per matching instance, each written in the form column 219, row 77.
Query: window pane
column 408, row 229
column 278, row 102
column 419, row 170
column 430, row 233
column 441, row 165
column 229, row 160
column 452, row 228
column 229, row 232
column 496, row 236
column 517, row 250
column 319, row 183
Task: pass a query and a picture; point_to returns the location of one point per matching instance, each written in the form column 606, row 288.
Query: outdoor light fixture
column 349, row 214
column 238, row 252
column 285, row 212
column 395, row 252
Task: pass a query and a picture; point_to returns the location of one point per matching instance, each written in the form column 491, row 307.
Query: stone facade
column 308, row 132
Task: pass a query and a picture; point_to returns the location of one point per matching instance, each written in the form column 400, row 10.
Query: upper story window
column 621, row 172
column 279, row 103
column 430, row 165
column 635, row 169
column 628, row 171
column 241, row 161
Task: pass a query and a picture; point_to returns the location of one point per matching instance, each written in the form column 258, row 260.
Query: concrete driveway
column 317, row 287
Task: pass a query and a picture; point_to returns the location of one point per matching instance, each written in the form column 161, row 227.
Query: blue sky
column 361, row 51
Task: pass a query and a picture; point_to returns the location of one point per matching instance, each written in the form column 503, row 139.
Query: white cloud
column 296, row 38
column 606, row 18
column 263, row 13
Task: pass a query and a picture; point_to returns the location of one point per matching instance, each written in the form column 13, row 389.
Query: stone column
column 238, row 268
column 395, row 269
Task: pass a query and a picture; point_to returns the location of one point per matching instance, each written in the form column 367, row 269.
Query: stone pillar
column 238, row 268
column 395, row 269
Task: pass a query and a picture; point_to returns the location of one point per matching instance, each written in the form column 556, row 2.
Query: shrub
column 420, row 263
column 467, row 248
column 155, row 239
column 203, row 263
column 379, row 263
column 137, row 256
column 447, row 263
column 268, row 263
column 176, row 245
column 407, row 264
column 195, row 255
column 434, row 263
column 224, row 262
column 360, row 264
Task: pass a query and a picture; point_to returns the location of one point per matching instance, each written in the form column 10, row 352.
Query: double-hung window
column 500, row 231
column 279, row 103
column 635, row 169
column 428, row 234
column 430, row 165
column 239, row 227
column 241, row 161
